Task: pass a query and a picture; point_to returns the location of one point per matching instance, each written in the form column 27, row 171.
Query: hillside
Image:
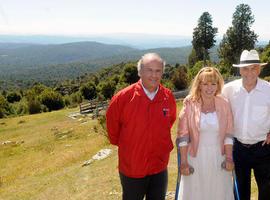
column 29, row 63
column 34, row 56
column 46, row 162
column 44, row 159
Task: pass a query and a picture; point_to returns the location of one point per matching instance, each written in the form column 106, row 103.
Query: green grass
column 48, row 166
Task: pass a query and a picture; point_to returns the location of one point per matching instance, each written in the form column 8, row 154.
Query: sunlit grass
column 47, row 166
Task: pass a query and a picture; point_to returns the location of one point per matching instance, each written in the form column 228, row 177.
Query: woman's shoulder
column 222, row 100
column 190, row 101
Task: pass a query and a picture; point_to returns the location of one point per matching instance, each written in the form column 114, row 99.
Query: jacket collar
column 160, row 96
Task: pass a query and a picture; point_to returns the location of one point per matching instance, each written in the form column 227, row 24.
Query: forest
column 33, row 89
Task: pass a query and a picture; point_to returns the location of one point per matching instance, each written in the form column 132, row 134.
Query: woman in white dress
column 205, row 132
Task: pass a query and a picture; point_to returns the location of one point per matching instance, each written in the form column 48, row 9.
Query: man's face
column 151, row 73
column 250, row 74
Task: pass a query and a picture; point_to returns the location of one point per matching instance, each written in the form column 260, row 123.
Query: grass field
column 45, row 156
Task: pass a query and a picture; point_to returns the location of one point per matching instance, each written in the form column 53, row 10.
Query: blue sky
column 88, row 17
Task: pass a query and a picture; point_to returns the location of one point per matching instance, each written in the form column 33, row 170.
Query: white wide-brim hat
column 249, row 58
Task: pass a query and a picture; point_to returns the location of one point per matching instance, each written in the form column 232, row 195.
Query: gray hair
column 153, row 55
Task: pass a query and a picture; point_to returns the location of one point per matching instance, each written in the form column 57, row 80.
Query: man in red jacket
column 139, row 120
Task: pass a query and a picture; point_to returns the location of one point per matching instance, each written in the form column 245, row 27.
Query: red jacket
column 141, row 129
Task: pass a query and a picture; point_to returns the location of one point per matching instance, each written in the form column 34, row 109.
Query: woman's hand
column 185, row 169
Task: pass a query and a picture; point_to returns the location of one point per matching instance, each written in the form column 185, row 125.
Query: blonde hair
column 206, row 74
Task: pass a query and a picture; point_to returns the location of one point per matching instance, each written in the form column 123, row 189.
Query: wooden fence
column 93, row 106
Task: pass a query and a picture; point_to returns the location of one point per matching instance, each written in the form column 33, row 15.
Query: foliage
column 265, row 57
column 34, row 106
column 76, row 98
column 54, row 64
column 51, row 99
column 3, row 106
column 195, row 69
column 192, row 58
column 21, row 107
column 89, row 90
column 120, row 86
column 238, row 37
column 106, row 89
column 203, row 38
column 180, row 78
column 13, row 97
column 130, row 73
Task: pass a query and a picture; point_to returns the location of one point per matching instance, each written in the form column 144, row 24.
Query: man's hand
column 267, row 140
column 229, row 165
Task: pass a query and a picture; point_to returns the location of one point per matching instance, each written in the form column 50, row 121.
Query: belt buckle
column 247, row 145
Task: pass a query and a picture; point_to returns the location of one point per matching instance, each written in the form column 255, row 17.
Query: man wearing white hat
column 250, row 102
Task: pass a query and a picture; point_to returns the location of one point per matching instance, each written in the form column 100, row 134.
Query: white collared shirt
column 151, row 95
column 251, row 110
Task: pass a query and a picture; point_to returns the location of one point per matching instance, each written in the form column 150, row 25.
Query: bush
column 20, row 108
column 107, row 89
column 51, row 99
column 13, row 97
column 130, row 73
column 88, row 91
column 76, row 98
column 180, row 78
column 4, row 106
column 34, row 106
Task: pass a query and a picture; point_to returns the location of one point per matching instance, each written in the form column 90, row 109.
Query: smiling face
column 207, row 83
column 249, row 75
column 151, row 72
column 208, row 89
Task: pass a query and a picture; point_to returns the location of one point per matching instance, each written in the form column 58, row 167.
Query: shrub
column 13, row 97
column 51, row 99
column 34, row 106
column 88, row 91
column 4, row 106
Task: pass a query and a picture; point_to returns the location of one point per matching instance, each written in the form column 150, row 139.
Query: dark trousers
column 246, row 158
column 153, row 187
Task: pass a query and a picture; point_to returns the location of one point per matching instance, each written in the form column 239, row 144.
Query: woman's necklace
column 208, row 107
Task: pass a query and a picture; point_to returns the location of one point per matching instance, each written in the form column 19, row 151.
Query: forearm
column 228, row 151
column 184, row 153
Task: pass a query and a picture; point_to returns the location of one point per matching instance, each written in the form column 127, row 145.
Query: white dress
column 209, row 181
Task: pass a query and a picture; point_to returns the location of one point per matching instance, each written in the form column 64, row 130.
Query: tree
column 3, row 106
column 51, row 99
column 265, row 57
column 238, row 37
column 203, row 37
column 130, row 73
column 180, row 78
column 192, row 58
column 107, row 88
column 88, row 90
column 13, row 97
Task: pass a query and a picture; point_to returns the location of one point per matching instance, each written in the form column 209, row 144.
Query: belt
column 258, row 144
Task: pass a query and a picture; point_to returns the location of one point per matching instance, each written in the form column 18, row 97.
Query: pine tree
column 238, row 37
column 203, row 37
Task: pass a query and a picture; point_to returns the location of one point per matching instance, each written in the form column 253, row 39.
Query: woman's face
column 208, row 89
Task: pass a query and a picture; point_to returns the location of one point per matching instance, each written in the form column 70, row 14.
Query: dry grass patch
column 48, row 164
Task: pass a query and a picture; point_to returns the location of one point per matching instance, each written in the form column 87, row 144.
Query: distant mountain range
column 56, row 58
column 57, row 62
column 139, row 41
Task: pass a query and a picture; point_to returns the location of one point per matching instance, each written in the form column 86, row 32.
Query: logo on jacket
column 166, row 112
